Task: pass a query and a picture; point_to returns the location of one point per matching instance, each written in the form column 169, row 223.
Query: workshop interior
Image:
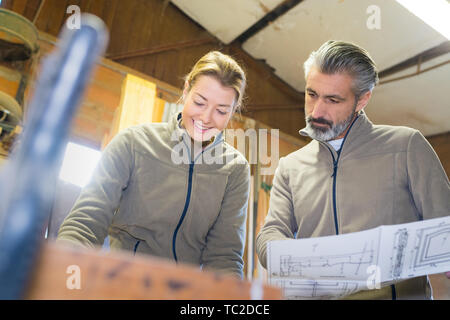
column 74, row 75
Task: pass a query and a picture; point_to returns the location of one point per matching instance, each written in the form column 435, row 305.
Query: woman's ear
column 185, row 90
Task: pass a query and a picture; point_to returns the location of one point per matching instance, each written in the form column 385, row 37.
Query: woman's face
column 208, row 107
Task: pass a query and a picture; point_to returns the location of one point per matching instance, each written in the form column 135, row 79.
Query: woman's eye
column 198, row 103
column 222, row 112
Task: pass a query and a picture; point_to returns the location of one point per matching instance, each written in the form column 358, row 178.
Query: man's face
column 329, row 104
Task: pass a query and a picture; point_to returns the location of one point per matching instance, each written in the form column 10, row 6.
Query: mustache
column 321, row 120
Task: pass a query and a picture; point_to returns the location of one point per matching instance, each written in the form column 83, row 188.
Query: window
column 78, row 164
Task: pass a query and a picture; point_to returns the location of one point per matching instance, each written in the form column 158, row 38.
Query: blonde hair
column 225, row 69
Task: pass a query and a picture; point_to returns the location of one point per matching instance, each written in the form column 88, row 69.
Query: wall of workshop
column 441, row 144
column 158, row 25
column 94, row 119
column 175, row 42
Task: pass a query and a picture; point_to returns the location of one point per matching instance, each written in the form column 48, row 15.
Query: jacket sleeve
column 280, row 221
column 428, row 182
column 88, row 222
column 226, row 239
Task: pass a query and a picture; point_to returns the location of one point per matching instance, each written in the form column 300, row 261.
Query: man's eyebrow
column 335, row 96
column 329, row 96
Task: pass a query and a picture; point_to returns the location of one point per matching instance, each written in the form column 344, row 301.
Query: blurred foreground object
column 64, row 273
column 28, row 179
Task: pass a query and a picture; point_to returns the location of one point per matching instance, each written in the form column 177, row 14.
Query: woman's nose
column 206, row 115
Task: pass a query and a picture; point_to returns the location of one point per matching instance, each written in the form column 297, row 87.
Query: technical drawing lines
column 336, row 266
column 400, row 242
column 327, row 266
column 432, row 246
column 304, row 289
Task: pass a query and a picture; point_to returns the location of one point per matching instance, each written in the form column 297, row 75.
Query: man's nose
column 319, row 109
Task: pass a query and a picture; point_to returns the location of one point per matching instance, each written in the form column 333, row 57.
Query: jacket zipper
column 188, row 199
column 394, row 292
column 335, row 168
column 186, row 206
column 136, row 246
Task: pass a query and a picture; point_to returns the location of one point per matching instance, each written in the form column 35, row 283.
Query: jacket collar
column 180, row 135
column 175, row 127
column 360, row 127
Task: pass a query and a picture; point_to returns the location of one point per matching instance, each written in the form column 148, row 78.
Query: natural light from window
column 435, row 13
column 78, row 164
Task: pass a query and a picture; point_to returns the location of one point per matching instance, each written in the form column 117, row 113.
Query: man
column 353, row 175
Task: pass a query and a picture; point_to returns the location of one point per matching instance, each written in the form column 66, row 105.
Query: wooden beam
column 416, row 73
column 64, row 272
column 38, row 11
column 418, row 59
column 173, row 92
column 270, row 16
column 161, row 48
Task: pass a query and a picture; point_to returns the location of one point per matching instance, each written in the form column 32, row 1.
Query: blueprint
column 336, row 266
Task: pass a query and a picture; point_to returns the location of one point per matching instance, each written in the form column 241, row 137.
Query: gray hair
column 338, row 56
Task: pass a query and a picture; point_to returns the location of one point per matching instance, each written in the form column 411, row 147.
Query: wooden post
column 136, row 106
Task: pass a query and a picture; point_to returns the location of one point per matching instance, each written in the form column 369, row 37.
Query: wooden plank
column 158, row 110
column 136, row 105
column 120, row 275
column 32, row 9
column 56, row 9
column 138, row 100
column 19, row 6
column 109, row 12
column 10, row 85
column 102, row 96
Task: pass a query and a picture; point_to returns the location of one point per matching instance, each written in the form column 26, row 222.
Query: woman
column 149, row 197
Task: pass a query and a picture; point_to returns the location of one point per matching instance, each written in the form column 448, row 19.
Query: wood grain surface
column 64, row 272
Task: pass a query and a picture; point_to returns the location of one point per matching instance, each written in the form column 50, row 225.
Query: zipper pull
column 335, row 166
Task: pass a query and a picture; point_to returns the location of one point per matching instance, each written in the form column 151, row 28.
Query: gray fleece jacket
column 383, row 175
column 151, row 194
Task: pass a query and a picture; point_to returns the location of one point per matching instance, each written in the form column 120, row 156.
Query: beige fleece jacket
column 150, row 197
column 384, row 175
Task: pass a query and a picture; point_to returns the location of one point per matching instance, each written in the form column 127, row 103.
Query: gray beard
column 326, row 134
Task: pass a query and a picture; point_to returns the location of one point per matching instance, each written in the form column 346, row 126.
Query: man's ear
column 363, row 101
